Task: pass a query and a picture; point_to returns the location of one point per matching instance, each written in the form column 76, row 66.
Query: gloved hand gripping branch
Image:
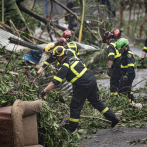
column 142, row 61
column 43, row 95
column 125, row 77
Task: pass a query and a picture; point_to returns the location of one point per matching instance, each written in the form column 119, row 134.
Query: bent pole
column 81, row 27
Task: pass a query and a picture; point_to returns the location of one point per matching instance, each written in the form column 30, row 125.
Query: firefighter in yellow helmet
column 85, row 87
column 48, row 49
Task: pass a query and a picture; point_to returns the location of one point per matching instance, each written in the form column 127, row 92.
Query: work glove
column 109, row 72
column 142, row 61
column 125, row 78
column 43, row 95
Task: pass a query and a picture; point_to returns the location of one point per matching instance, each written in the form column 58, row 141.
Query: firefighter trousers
column 77, row 102
column 114, row 80
column 125, row 87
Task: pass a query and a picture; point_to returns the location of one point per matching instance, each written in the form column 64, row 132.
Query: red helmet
column 117, row 33
column 107, row 35
column 61, row 42
column 67, row 33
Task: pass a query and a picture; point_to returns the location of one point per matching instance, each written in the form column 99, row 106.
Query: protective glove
column 125, row 78
column 109, row 72
column 43, row 95
column 142, row 61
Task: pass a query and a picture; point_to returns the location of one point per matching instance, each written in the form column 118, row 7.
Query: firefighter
column 63, row 42
column 48, row 48
column 50, row 60
column 69, row 44
column 144, row 51
column 117, row 33
column 114, row 70
column 85, row 87
column 127, row 68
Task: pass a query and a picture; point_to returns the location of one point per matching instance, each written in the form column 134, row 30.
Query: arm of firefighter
column 48, row 61
column 50, row 86
column 40, row 70
column 111, row 52
column 110, row 62
column 130, row 61
column 62, row 72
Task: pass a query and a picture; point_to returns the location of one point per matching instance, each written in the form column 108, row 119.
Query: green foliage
column 51, row 133
column 139, row 44
column 33, row 23
column 10, row 12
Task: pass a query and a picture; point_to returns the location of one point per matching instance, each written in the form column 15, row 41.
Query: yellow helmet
column 49, row 47
column 59, row 51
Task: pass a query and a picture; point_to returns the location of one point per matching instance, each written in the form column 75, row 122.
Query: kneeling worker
column 85, row 87
column 127, row 68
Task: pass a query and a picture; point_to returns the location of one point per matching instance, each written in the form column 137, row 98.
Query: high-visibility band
column 65, row 64
column 118, row 55
column 78, row 53
column 131, row 92
column 117, row 52
column 129, row 65
column 145, row 48
column 58, row 63
column 130, row 52
column 74, row 120
column 57, row 78
column 72, row 67
column 110, row 54
column 46, row 63
column 114, row 44
column 79, row 75
column 105, row 110
column 130, row 100
column 114, row 93
column 72, row 52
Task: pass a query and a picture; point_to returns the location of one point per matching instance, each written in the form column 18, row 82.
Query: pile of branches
column 17, row 82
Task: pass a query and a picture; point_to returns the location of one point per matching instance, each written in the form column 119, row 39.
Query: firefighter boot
column 115, row 121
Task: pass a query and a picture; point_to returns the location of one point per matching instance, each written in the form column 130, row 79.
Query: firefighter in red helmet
column 114, row 58
column 70, row 44
column 117, row 33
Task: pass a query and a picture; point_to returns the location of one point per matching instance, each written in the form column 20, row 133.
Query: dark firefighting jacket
column 113, row 53
column 70, row 53
column 75, row 72
column 73, row 46
column 145, row 46
column 127, row 62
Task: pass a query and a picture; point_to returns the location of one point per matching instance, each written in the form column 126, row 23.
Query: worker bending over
column 85, row 87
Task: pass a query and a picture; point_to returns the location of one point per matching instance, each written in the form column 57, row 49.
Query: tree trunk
column 137, row 17
column 144, row 19
column 130, row 8
column 122, row 3
column 38, row 17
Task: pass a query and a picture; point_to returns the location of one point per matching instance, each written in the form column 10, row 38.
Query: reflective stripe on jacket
column 127, row 62
column 74, row 71
column 113, row 53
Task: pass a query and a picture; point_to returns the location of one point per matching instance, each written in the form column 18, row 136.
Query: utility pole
column 2, row 11
column 82, row 21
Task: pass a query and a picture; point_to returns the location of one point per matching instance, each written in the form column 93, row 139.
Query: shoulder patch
column 129, row 55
